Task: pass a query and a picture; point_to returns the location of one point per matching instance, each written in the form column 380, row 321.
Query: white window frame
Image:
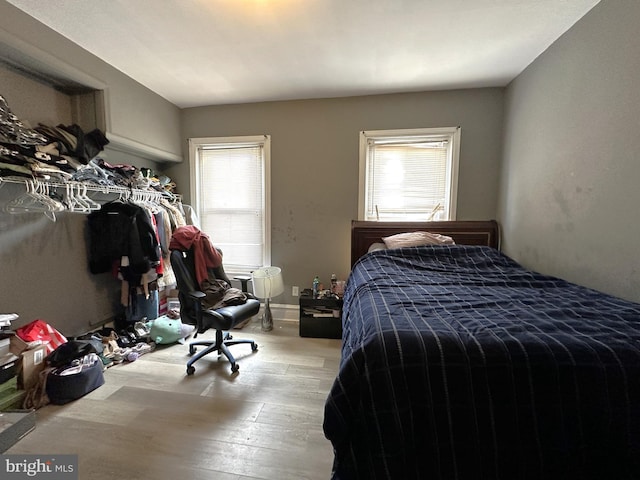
column 265, row 140
column 449, row 134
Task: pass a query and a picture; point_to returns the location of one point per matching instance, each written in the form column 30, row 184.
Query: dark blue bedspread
column 457, row 363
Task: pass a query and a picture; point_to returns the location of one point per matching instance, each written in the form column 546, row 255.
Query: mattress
column 459, row 363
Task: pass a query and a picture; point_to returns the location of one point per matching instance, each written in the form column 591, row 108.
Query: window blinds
column 231, row 199
column 406, row 179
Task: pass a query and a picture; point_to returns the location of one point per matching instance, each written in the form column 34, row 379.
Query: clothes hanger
column 70, row 199
column 87, row 202
column 44, row 195
column 36, row 198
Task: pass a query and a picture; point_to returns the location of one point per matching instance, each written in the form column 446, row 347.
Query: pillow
column 377, row 246
column 415, row 239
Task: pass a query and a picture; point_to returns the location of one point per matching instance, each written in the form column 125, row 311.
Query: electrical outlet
column 295, row 291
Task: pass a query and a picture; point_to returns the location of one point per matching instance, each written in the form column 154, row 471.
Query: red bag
column 41, row 332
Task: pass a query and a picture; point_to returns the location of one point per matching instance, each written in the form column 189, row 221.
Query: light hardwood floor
column 151, row 420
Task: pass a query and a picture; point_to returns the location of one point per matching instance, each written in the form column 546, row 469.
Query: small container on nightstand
column 320, row 317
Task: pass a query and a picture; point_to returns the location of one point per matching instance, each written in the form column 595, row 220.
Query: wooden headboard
column 471, row 232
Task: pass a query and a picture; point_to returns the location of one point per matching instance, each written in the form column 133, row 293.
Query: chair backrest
column 183, row 266
column 186, row 261
column 186, row 282
column 184, row 270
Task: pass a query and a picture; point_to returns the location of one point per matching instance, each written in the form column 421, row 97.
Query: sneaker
column 142, row 348
column 141, row 331
column 110, row 345
column 127, row 339
column 121, row 355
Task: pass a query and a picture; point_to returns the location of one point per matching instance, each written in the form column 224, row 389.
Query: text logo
column 50, row 467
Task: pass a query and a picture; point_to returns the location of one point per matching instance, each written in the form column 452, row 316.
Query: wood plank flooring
column 151, row 420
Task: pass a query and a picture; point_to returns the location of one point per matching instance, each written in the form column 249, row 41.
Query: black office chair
column 221, row 319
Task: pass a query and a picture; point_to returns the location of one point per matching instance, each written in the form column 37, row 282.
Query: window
column 408, row 175
column 230, row 193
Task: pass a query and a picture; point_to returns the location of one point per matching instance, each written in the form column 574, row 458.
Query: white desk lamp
column 267, row 283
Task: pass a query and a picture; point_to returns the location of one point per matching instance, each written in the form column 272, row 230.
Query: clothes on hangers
column 121, row 229
column 175, row 215
column 190, row 215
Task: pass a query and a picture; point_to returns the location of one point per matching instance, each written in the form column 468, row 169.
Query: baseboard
column 283, row 311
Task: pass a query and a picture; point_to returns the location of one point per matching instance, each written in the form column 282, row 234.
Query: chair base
column 220, row 344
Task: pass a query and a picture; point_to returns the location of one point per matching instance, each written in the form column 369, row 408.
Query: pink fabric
column 204, row 255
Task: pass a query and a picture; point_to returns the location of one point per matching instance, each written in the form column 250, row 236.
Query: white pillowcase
column 415, row 239
column 376, row 246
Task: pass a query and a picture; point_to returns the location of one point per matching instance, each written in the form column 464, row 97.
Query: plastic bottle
column 334, row 282
column 316, row 283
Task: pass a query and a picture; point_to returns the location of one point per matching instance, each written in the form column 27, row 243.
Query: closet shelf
column 122, row 191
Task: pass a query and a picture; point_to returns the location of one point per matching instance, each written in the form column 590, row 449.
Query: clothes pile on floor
column 74, row 367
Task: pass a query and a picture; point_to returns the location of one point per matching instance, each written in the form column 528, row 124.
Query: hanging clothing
column 142, row 307
column 122, row 229
column 190, row 215
column 176, row 217
column 164, row 235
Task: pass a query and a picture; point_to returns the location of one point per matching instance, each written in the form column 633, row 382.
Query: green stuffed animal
column 165, row 330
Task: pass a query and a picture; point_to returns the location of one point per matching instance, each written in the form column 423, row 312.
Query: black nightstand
column 320, row 317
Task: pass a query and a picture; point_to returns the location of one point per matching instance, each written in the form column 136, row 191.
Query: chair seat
column 231, row 315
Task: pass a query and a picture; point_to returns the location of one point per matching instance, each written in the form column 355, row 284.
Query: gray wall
column 314, row 164
column 44, row 265
column 569, row 190
column 133, row 111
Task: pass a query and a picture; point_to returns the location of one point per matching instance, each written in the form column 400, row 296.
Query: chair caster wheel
column 192, row 350
column 191, row 370
column 235, row 367
column 254, row 347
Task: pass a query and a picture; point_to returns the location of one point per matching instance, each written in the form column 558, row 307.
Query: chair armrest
column 197, row 295
column 244, row 279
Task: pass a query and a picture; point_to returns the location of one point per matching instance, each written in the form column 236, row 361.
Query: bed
column 458, row 363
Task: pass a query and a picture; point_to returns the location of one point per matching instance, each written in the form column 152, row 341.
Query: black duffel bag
column 66, row 353
column 68, row 383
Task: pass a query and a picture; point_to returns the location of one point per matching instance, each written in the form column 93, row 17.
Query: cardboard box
column 18, row 345
column 167, row 295
column 162, row 306
column 31, row 364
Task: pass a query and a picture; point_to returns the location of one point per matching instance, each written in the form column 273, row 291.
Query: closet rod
column 95, row 188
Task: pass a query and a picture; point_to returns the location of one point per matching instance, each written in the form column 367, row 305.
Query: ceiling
column 206, row 52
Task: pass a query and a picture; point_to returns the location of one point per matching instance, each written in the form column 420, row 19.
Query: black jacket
column 122, row 229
